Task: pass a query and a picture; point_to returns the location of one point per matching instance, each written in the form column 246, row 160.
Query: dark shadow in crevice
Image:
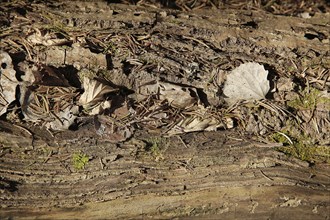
column 127, row 67
column 9, row 185
column 272, row 77
column 108, row 58
column 71, row 74
column 251, row 24
column 318, row 35
column 203, row 97
column 16, row 59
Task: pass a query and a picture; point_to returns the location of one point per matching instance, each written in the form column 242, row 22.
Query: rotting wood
column 214, row 177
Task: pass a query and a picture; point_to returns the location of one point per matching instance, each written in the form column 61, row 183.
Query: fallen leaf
column 176, row 95
column 112, row 130
column 201, row 120
column 52, row 107
column 246, row 82
column 8, row 82
column 93, row 99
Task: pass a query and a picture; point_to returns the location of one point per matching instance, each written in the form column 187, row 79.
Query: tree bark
column 209, row 175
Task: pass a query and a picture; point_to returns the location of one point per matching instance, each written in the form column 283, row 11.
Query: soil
column 267, row 159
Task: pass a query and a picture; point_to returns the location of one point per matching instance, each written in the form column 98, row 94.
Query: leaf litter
column 57, row 107
column 170, row 106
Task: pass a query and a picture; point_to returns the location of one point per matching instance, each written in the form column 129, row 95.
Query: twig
column 102, row 165
column 286, row 136
column 184, row 144
column 194, row 39
column 24, row 129
column 49, row 155
column 264, row 175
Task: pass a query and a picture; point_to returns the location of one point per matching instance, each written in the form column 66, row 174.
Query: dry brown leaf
column 52, row 107
column 121, row 112
column 178, row 96
column 112, row 130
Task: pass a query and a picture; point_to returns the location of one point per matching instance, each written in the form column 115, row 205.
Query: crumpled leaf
column 46, row 38
column 246, row 82
column 122, row 111
column 52, row 107
column 38, row 74
column 112, row 130
column 64, row 118
column 8, row 82
column 177, row 96
column 29, row 71
column 93, row 99
column 100, row 107
column 201, row 121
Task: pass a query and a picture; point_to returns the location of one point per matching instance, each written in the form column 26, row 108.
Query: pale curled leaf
column 246, row 82
column 46, row 38
column 201, row 121
column 94, row 95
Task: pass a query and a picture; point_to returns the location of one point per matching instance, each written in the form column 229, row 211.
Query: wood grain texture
column 211, row 175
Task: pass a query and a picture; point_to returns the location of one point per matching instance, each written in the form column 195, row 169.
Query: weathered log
column 198, row 175
column 209, row 175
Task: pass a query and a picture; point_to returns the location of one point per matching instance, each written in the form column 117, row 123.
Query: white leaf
column 246, row 82
column 8, row 82
column 202, row 120
column 94, row 93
